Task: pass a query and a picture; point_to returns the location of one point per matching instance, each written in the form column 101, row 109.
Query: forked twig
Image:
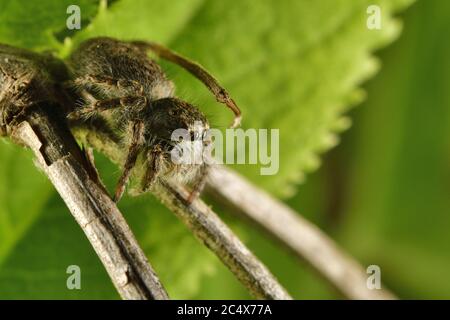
column 59, row 156
column 300, row 236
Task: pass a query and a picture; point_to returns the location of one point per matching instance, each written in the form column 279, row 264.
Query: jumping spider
column 120, row 83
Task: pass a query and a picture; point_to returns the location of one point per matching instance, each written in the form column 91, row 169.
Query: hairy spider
column 121, row 84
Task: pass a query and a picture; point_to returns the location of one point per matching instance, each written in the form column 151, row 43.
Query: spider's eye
column 206, row 143
column 195, row 135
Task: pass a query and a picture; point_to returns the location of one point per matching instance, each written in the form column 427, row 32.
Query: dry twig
column 61, row 159
column 300, row 236
column 214, row 233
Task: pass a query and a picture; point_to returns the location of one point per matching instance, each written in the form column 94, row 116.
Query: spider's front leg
column 197, row 71
column 135, row 148
column 3, row 122
column 3, row 131
column 154, row 161
column 199, row 183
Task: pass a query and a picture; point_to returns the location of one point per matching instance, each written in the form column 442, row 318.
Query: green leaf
column 34, row 24
column 36, row 269
column 141, row 19
column 23, row 193
column 292, row 65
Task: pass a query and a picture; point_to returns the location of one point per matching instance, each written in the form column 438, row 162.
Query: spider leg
column 3, row 131
column 108, row 85
column 133, row 152
column 94, row 88
column 197, row 71
column 154, row 157
column 91, row 168
column 18, row 117
column 98, row 106
column 199, row 184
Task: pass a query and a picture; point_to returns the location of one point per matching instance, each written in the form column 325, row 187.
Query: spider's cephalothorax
column 120, row 83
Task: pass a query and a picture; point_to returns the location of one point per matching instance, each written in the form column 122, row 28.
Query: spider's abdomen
column 121, row 60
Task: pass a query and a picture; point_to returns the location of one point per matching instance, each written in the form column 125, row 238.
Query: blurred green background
column 383, row 193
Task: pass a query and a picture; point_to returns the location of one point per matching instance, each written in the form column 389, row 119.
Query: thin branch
column 59, row 156
column 300, row 236
column 202, row 221
column 212, row 232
